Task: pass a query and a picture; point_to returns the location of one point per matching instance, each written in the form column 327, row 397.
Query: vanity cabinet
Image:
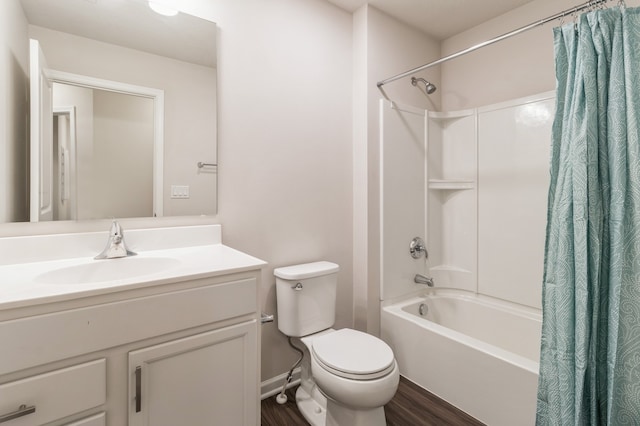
column 176, row 353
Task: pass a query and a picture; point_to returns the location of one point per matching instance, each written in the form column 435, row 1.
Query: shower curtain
column 590, row 350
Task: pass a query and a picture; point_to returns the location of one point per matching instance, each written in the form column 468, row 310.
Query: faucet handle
column 115, row 231
column 115, row 227
column 417, row 248
column 115, row 244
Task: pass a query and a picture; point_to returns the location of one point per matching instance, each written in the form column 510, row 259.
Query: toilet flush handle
column 297, row 287
column 265, row 318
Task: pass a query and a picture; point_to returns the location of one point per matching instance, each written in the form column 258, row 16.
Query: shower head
column 428, row 87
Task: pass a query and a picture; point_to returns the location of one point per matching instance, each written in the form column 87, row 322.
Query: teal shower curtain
column 590, row 350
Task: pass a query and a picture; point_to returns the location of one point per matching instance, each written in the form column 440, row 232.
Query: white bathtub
column 479, row 354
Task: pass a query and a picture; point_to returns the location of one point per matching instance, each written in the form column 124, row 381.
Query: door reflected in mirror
column 103, row 154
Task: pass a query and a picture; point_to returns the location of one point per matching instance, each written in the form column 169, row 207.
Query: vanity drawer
column 56, row 394
column 73, row 332
column 97, row 420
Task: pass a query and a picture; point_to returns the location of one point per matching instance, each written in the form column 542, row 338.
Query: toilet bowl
column 347, row 376
column 357, row 373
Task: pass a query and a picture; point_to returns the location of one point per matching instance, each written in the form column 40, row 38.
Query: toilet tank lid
column 307, row 270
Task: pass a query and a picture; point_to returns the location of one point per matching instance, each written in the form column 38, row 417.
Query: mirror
column 125, row 42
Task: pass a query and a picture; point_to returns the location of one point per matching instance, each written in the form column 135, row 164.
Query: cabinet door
column 206, row 379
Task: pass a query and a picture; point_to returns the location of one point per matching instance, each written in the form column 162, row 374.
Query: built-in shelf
column 449, row 276
column 451, row 184
column 436, row 115
column 448, row 268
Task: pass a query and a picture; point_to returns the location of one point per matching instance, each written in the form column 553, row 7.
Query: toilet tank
column 306, row 297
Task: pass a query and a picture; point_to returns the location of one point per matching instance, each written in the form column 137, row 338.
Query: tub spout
column 421, row 279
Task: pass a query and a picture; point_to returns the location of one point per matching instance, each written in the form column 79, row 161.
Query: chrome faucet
column 421, row 279
column 115, row 245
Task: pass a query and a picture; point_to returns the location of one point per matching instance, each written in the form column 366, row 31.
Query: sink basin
column 108, row 270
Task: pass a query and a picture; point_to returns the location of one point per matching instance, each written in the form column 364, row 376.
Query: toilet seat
column 353, row 354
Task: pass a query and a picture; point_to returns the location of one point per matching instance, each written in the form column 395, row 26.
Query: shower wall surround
column 513, row 180
column 474, row 184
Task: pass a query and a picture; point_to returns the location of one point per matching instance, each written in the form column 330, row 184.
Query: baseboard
column 274, row 385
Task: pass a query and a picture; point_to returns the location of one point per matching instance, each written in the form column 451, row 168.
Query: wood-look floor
column 411, row 406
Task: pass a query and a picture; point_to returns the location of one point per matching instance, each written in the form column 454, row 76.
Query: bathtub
column 478, row 353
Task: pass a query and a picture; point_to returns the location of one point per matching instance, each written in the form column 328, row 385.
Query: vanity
column 166, row 337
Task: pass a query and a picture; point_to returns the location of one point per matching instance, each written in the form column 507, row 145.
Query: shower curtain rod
column 573, row 10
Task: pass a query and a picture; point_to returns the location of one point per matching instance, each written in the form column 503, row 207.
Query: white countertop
column 45, row 280
column 24, row 285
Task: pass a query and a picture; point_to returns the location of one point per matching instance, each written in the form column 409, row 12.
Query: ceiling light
column 162, row 9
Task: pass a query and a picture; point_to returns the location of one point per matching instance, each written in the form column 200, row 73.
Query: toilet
column 347, row 376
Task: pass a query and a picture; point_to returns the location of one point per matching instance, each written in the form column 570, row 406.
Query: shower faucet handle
column 417, row 248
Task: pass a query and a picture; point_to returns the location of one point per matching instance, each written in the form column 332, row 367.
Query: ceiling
column 438, row 18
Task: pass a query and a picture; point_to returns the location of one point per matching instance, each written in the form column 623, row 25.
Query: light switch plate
column 179, row 191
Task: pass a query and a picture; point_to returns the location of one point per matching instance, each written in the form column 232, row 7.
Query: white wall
column 285, row 151
column 513, row 68
column 123, row 155
column 385, row 47
column 14, row 71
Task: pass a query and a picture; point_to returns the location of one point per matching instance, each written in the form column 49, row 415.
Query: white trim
column 99, row 83
column 273, row 386
column 40, row 98
column 158, row 120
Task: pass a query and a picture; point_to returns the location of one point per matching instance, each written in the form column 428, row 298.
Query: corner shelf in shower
column 453, row 277
column 437, row 115
column 449, row 268
column 451, row 184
